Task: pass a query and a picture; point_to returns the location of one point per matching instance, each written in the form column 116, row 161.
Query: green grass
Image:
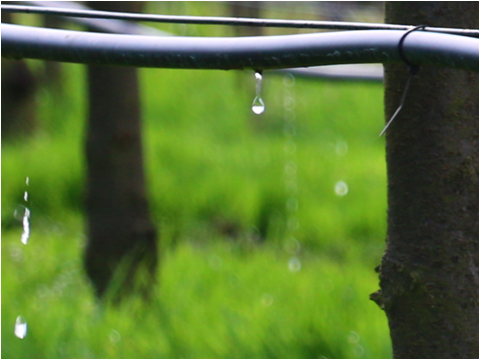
column 210, row 164
column 213, row 302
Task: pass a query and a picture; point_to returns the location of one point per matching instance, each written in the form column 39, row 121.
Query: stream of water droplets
column 20, row 329
column 26, row 218
column 292, row 245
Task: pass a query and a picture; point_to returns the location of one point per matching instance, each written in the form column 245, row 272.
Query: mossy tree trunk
column 429, row 272
column 121, row 248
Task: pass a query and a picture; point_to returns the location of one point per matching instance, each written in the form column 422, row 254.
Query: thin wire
column 209, row 20
column 412, row 69
column 402, row 100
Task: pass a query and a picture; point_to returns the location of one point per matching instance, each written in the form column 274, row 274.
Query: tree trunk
column 429, row 272
column 53, row 75
column 19, row 87
column 246, row 9
column 121, row 248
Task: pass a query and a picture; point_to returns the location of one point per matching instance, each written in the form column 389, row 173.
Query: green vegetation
column 211, row 165
column 233, row 284
column 213, row 302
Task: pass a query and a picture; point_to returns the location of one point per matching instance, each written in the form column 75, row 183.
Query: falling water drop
column 26, row 227
column 258, row 105
column 292, row 246
column 26, row 217
column 115, row 336
column 341, row 148
column 267, row 300
column 20, row 327
column 294, row 264
column 353, row 337
column 292, row 204
column 289, row 80
column 18, row 212
column 358, row 351
column 341, row 188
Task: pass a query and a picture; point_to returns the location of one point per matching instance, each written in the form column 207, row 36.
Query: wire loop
column 412, row 68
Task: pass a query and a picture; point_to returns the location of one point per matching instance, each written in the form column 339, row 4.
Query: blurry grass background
column 233, row 282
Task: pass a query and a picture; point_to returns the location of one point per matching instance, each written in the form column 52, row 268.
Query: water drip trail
column 26, row 227
column 258, row 105
column 20, row 329
column 292, row 245
column 26, row 217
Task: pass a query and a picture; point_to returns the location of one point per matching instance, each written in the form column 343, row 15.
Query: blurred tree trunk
column 121, row 249
column 246, row 9
column 19, row 87
column 429, row 272
column 53, row 69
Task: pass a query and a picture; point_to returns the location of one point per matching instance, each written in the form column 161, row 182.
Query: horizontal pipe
column 263, row 52
column 359, row 72
column 230, row 21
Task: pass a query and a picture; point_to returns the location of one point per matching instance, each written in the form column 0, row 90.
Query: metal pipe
column 264, row 52
column 213, row 20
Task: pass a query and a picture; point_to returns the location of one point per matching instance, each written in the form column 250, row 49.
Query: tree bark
column 429, row 272
column 121, row 248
